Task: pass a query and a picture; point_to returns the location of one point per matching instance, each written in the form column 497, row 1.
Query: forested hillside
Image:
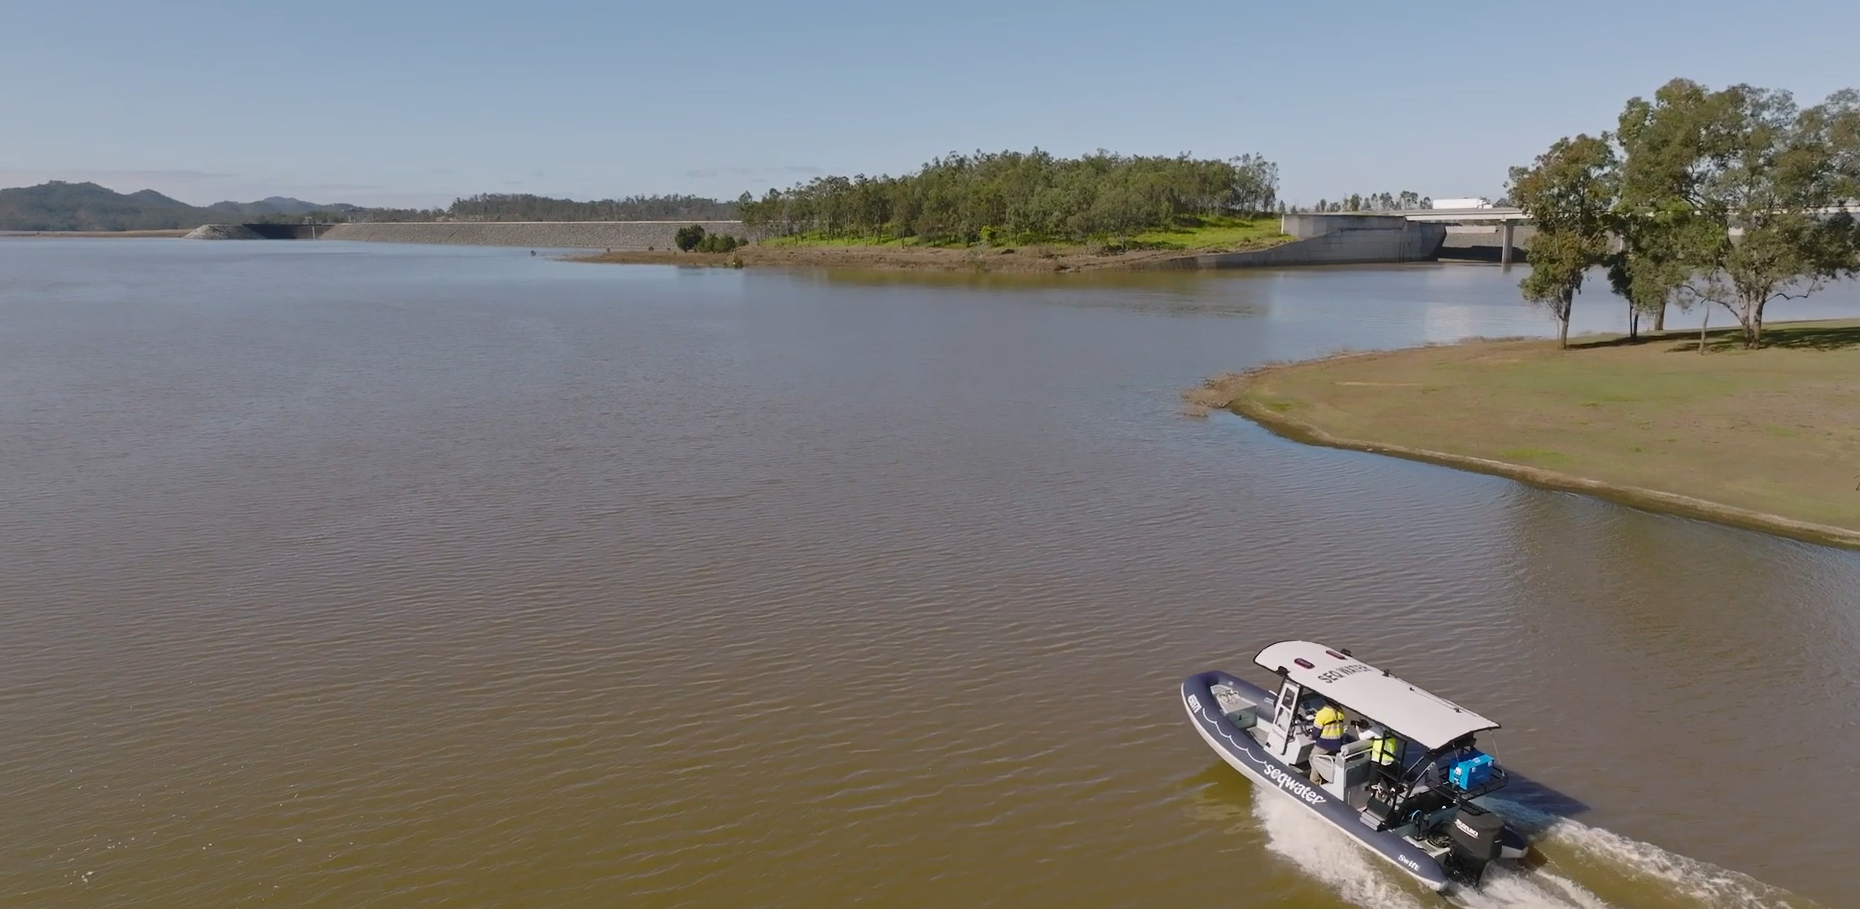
column 87, row 206
column 270, row 207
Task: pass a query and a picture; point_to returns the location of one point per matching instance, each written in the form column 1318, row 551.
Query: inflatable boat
column 1404, row 783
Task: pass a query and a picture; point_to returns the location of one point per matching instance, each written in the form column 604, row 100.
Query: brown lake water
column 347, row 575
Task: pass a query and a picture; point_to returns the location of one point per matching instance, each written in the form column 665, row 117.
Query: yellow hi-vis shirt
column 1330, row 723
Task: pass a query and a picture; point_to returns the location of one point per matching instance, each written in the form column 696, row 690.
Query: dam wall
column 1334, row 240
column 631, row 235
column 1486, row 244
column 288, row 231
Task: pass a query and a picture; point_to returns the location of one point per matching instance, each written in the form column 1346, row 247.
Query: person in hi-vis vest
column 1330, row 724
column 1383, row 747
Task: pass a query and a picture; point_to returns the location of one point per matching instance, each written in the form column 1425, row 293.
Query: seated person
column 1328, row 729
column 1383, row 746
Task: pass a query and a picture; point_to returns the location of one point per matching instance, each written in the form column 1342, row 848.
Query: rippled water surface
column 348, row 575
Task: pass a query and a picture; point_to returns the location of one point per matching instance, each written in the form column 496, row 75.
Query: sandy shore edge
column 1232, row 387
column 1028, row 260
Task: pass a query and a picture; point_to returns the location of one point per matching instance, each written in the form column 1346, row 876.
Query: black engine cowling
column 1476, row 832
column 1478, row 837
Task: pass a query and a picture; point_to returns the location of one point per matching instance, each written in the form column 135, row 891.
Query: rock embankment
column 628, row 235
column 222, row 232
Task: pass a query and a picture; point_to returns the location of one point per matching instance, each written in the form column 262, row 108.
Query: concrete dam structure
column 1486, row 243
column 1334, row 239
column 289, row 231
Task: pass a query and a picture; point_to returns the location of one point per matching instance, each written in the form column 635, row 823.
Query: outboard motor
column 1477, row 838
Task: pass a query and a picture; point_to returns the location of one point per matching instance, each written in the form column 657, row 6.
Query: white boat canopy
column 1410, row 712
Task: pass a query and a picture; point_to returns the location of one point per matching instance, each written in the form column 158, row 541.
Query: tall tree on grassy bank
column 1771, row 184
column 1662, row 216
column 1731, row 198
column 1020, row 197
column 1569, row 192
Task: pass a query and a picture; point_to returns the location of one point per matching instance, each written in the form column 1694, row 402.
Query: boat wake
column 1689, row 881
column 1313, row 845
column 1586, row 868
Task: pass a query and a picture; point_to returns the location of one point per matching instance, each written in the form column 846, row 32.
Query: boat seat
column 1358, row 771
column 1321, row 764
column 1350, row 764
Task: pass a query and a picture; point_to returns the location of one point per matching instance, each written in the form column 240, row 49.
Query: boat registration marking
column 1341, row 671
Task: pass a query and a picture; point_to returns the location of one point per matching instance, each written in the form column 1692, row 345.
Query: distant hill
column 266, row 207
column 86, row 206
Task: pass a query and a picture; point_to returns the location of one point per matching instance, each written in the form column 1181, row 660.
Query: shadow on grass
column 1811, row 337
column 1788, row 337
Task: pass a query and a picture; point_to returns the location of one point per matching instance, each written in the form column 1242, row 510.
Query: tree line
column 1019, row 197
column 1406, row 200
column 528, row 207
column 1735, row 198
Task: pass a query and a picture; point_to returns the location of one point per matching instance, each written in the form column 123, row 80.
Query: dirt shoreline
column 1007, row 259
column 1235, row 392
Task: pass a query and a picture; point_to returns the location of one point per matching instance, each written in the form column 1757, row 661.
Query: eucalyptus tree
column 1732, row 198
column 1569, row 193
column 1667, row 224
column 1780, row 189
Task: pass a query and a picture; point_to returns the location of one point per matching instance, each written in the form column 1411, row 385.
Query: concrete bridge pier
column 1504, row 248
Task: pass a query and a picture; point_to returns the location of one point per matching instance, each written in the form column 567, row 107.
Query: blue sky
column 397, row 102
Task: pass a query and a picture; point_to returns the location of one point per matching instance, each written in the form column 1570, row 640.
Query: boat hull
column 1245, row 754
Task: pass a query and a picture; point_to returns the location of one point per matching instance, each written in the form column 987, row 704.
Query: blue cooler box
column 1471, row 772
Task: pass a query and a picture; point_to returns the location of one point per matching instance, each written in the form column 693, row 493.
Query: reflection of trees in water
column 1162, row 292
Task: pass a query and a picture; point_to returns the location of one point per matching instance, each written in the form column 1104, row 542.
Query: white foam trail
column 1506, row 888
column 1577, row 893
column 1331, row 856
column 1707, row 884
column 1326, row 854
column 1334, row 858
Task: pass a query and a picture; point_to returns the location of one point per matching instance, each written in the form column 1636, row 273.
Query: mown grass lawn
column 1775, row 430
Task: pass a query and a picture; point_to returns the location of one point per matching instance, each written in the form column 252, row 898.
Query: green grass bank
column 1764, row 438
